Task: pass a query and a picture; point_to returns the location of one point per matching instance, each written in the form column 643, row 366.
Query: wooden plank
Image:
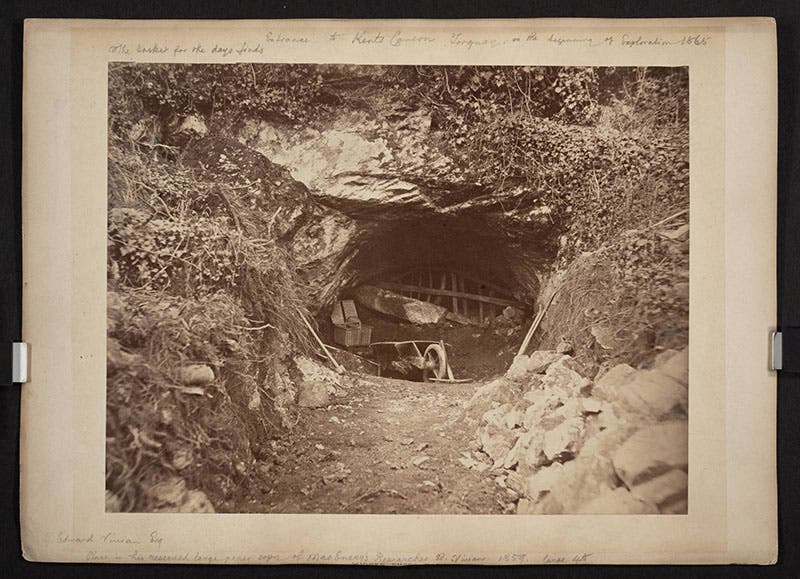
column 535, row 324
column 443, row 285
column 337, row 316
column 399, row 287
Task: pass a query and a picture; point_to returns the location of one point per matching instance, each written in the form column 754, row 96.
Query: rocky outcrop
column 377, row 166
column 321, row 240
column 565, row 444
column 317, row 385
column 386, row 171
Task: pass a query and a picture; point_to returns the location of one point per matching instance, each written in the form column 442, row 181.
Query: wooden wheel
column 434, row 362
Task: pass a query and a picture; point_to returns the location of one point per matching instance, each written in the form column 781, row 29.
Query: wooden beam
column 400, row 287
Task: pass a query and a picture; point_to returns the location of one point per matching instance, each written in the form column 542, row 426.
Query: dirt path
column 389, row 446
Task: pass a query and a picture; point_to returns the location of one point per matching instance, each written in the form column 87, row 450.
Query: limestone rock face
column 377, row 165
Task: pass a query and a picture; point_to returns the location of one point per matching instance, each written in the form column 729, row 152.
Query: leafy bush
column 211, row 90
column 623, row 302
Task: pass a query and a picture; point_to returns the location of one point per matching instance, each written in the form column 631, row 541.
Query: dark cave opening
column 488, row 276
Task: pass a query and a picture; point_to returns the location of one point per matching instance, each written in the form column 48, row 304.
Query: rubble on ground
column 566, row 444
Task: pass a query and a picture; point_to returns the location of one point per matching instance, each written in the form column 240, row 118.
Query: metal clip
column 776, row 351
column 19, row 362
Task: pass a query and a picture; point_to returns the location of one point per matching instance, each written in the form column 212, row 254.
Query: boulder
column 514, row 417
column 559, row 375
column 618, row 501
column 393, row 304
column 197, row 374
column 313, row 395
column 496, row 442
column 171, row 496
column 536, row 363
column 193, row 125
column 499, row 390
column 116, row 357
column 646, row 392
column 495, row 438
column 591, row 406
column 543, row 482
column 524, row 507
column 604, row 336
column 316, row 383
column 513, row 314
column 678, row 234
column 563, row 442
column 653, row 451
column 669, row 492
column 674, row 364
column 662, row 395
column 496, row 417
column 565, row 347
column 606, row 384
column 578, row 481
column 526, row 452
column 196, row 502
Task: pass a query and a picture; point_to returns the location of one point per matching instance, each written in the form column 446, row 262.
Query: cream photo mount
column 733, row 149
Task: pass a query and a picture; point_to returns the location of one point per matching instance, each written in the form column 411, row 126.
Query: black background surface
column 12, row 14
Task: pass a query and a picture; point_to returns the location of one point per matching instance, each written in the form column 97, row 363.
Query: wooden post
column 430, row 283
column 442, row 285
column 454, row 280
column 464, row 302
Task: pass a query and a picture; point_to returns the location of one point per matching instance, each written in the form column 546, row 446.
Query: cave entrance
column 460, row 281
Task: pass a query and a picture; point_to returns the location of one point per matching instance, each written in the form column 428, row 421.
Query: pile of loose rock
column 561, row 443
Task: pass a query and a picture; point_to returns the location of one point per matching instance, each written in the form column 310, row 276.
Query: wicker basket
column 352, row 336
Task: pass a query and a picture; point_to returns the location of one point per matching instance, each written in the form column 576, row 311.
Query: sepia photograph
column 397, row 289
